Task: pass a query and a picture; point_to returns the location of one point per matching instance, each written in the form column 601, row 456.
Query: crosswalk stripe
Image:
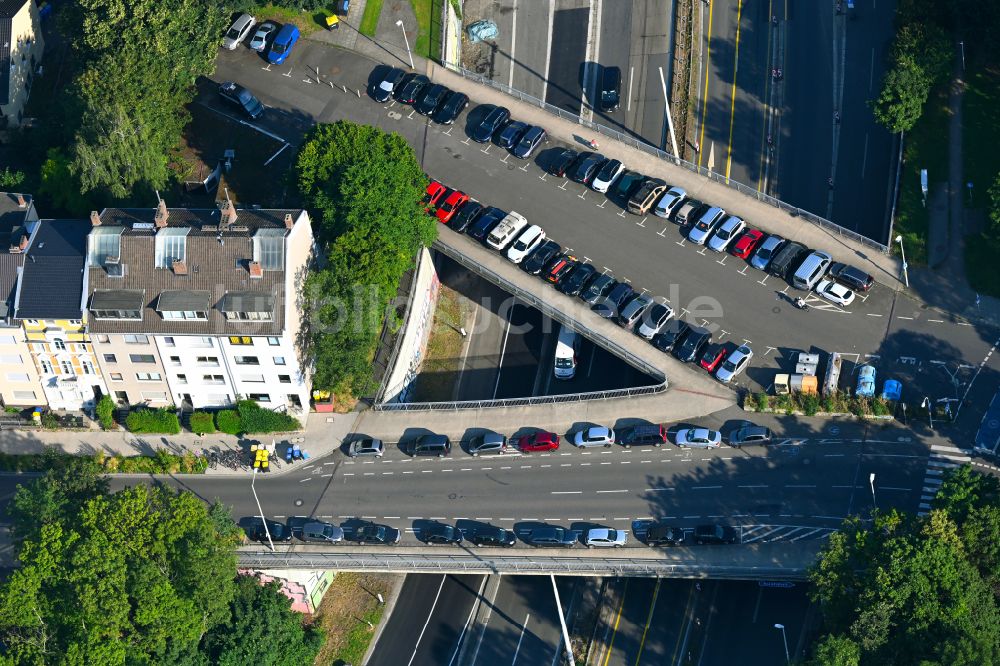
column 952, row 449
column 924, row 505
column 942, row 456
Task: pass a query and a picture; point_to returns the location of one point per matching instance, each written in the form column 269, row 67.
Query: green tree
column 11, row 179
column 904, row 91
column 963, row 490
column 994, row 213
column 58, row 495
column 836, row 651
column 60, row 188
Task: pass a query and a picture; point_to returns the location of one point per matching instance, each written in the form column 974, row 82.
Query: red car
column 560, row 268
column 435, row 192
column 539, row 441
column 713, row 357
column 747, row 243
column 451, row 204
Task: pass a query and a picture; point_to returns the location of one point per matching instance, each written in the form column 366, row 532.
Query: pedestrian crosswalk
column 942, row 459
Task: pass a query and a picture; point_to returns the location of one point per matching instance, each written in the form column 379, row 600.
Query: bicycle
column 213, row 459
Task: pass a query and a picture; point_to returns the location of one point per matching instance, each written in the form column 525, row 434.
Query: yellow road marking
column 704, row 97
column 649, row 619
column 732, row 104
column 680, row 634
column 618, row 618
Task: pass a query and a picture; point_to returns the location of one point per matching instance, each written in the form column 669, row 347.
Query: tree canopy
column 908, row 590
column 364, row 188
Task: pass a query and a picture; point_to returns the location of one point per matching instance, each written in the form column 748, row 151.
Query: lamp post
column 407, row 42
column 906, row 275
column 262, row 518
column 784, row 638
column 929, row 406
column 871, row 482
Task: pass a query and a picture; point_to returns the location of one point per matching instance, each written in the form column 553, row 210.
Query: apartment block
column 21, row 47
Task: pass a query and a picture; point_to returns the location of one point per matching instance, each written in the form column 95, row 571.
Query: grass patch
column 306, row 22
column 347, row 608
column 443, row 360
column 981, row 125
column 428, row 13
column 926, row 147
column 369, row 20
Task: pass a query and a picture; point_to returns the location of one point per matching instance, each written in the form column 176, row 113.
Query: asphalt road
column 566, row 61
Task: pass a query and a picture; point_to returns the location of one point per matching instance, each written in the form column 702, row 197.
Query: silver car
column 670, row 202
column 734, row 364
column 603, row 537
column 264, row 32
column 762, row 257
column 704, row 227
column 490, row 443
column 368, row 447
column 596, row 436
column 749, row 434
column 238, row 31
column 730, row 229
column 699, row 438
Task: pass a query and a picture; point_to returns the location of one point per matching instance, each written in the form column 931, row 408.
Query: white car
column 670, row 202
column 607, row 175
column 699, row 438
column 736, row 363
column 526, row 243
column 259, row 40
column 835, row 292
column 238, row 31
column 603, row 537
column 596, row 436
column 727, row 232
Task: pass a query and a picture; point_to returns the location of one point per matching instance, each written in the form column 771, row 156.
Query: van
column 567, row 347
column 787, row 257
column 506, row 231
column 283, row 43
column 432, row 445
column 643, row 435
column 811, row 270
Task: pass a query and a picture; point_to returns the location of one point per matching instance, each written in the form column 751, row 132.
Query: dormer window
column 181, row 305
column 171, row 246
column 104, row 246
column 247, row 306
column 123, row 304
column 269, row 249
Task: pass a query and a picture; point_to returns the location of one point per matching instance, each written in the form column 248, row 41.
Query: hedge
column 161, row 462
column 202, row 423
column 153, row 421
column 228, row 421
column 256, row 419
column 106, row 412
column 810, row 405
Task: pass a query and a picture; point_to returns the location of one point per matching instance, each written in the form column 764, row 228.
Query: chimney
column 161, row 214
column 21, row 203
column 255, row 270
column 180, row 268
column 228, row 211
column 95, row 218
column 289, row 221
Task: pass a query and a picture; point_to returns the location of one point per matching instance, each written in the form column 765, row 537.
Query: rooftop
column 51, row 284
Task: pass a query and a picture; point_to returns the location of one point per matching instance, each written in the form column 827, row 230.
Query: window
column 87, row 367
column 285, row 379
column 293, row 400
column 208, row 360
column 10, row 359
column 24, row 395
column 248, row 316
column 116, row 376
column 132, row 315
column 59, row 344
column 190, row 315
column 269, row 249
column 110, row 358
column 274, row 342
column 217, row 399
column 75, row 322
column 17, row 376
column 137, row 339
column 201, row 343
column 175, row 360
column 103, row 338
column 154, row 396
column 171, row 246
column 122, row 397
column 213, row 379
column 103, row 243
column 279, row 360
column 66, row 367
column 182, row 379
column 148, row 376
column 260, row 397
column 247, row 360
column 142, row 358
column 46, row 367
column 252, row 379
column 169, row 341
column 240, row 340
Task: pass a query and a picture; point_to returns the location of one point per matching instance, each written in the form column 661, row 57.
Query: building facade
column 21, row 47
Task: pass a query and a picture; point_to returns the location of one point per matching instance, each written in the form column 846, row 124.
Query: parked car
column 892, row 390
column 746, row 243
column 766, row 251
column 431, row 98
column 507, row 231
column 453, row 105
column 631, row 313
column 538, row 441
column 712, row 357
column 627, row 183
column 264, row 32
column 317, row 531
column 811, row 270
column 594, row 436
column 736, row 363
column 670, row 336
column 586, row 167
column 560, row 269
column 367, row 447
column 550, row 536
column 748, row 435
column 536, row 262
column 705, row 225
column 433, row 195
column 670, row 202
column 654, row 319
column 609, row 95
column 369, row 532
column 441, row 533
column 466, row 215
column 611, row 305
column 533, row 137
column 598, row 288
column 694, row 342
column 715, row 534
column 255, row 531
column 562, row 162
column 511, row 134
column 494, row 120
column 238, row 31
column 646, row 195
column 835, row 292
column 787, row 259
column 451, row 204
column 431, row 444
column 484, row 224
column 698, row 438
column 241, row 97
column 642, row 435
column 605, row 537
column 490, row 443
column 577, row 280
column 689, row 212
column 488, row 535
column 412, row 88
column 661, row 534
column 854, row 278
column 283, row 43
column 727, row 232
column 384, row 88
column 866, row 382
column 607, row 175
column 526, row 243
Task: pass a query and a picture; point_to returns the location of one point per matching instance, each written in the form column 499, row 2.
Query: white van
column 567, row 348
column 506, row 231
column 526, row 243
column 811, row 270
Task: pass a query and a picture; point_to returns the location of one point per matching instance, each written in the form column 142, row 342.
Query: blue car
column 282, row 44
column 892, row 390
column 866, row 382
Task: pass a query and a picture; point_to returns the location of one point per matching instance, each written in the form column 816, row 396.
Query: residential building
column 19, row 382
column 198, row 307
column 21, row 47
column 48, row 302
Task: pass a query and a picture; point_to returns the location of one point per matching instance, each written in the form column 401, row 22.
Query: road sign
column 775, row 583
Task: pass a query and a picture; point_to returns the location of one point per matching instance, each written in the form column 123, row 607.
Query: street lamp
column 871, row 482
column 406, row 41
column 906, row 275
column 262, row 518
column 788, row 658
column 929, row 406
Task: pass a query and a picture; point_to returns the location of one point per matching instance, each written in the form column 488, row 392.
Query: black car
column 466, row 215
column 671, row 335
column 585, row 167
column 574, row 284
column 855, row 278
column 560, row 268
column 627, row 183
column 488, row 219
column 488, row 535
column 452, row 107
column 511, row 134
column 491, row 123
column 255, row 531
column 383, row 89
column 664, row 535
column 441, row 533
column 610, row 88
column 530, row 140
column 541, row 257
column 715, row 534
column 562, row 162
column 431, row 98
column 373, row 533
column 242, row 98
column 412, row 88
column 552, row 537
column 694, row 342
column 612, row 304
column 598, row 288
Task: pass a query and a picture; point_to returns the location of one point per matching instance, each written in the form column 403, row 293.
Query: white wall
column 187, row 349
column 267, row 370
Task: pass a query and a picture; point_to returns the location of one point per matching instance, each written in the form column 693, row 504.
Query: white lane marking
column 426, row 622
column 612, row 491
column 566, row 492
